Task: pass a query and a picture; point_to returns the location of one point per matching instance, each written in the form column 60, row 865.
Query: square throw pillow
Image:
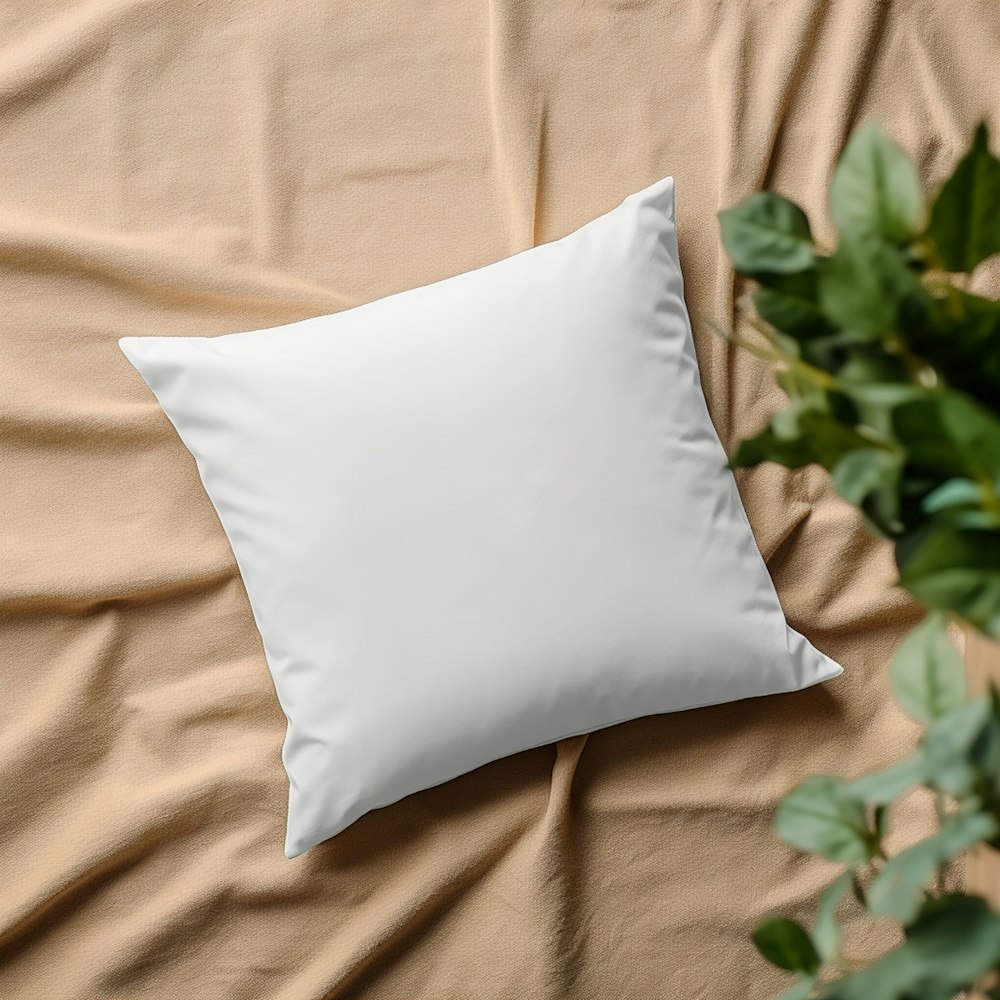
column 481, row 515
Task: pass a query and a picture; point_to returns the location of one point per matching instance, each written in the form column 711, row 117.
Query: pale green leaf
column 927, row 675
column 826, row 930
column 815, row 817
column 898, row 889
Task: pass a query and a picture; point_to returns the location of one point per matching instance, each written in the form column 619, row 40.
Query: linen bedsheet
column 190, row 168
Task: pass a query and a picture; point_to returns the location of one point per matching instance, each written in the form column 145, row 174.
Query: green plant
column 892, row 368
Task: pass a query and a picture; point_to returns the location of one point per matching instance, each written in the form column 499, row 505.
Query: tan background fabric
column 171, row 167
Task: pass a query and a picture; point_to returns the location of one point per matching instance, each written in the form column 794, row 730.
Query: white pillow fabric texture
column 481, row 515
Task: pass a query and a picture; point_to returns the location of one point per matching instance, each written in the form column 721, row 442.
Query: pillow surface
column 481, row 515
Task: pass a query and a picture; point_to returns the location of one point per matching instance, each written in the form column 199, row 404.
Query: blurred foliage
column 892, row 370
column 890, row 363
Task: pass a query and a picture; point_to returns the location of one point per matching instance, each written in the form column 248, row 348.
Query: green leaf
column 880, row 788
column 881, row 821
column 862, row 471
column 866, row 287
column 952, row 493
column 984, row 754
column 785, row 944
column 829, row 437
column 898, row 889
column 797, row 436
column 955, row 940
column 948, row 434
column 815, row 817
column 950, row 744
column 965, row 217
column 960, row 334
column 956, row 570
column 799, row 990
column 927, row 675
column 858, row 890
column 768, row 447
column 918, row 426
column 869, row 366
column 826, row 932
column 767, row 233
column 790, row 303
column 875, row 190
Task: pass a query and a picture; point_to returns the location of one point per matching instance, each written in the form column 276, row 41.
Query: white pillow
column 481, row 516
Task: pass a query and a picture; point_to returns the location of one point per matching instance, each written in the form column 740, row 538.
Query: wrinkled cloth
column 199, row 169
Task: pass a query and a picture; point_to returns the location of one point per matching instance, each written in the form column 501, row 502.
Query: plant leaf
column 766, row 446
column 954, row 941
column 927, row 675
column 799, row 990
column 826, row 931
column 767, row 233
column 952, row 493
column 866, row 287
column 949, row 744
column 984, row 752
column 815, row 817
column 880, row 788
column 790, row 303
column 898, row 889
column 965, row 217
column 956, row 570
column 948, row 434
column 799, row 435
column 862, row 471
column 875, row 190
column 785, row 944
column 960, row 333
column 829, row 437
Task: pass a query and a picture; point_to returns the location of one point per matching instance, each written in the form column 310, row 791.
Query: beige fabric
column 171, row 167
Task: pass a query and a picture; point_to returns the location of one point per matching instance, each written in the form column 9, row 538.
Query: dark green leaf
column 948, row 434
column 870, row 366
column 919, row 427
column 767, row 233
column 799, row 435
column 785, row 944
column 974, row 429
column 858, row 890
column 875, row 190
column 815, row 817
column 985, row 755
column 965, row 217
column 767, row 447
column 960, row 334
column 866, row 287
column 898, row 889
column 829, row 438
column 956, row 570
column 790, row 303
column 955, row 940
column 881, row 816
column 927, row 675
